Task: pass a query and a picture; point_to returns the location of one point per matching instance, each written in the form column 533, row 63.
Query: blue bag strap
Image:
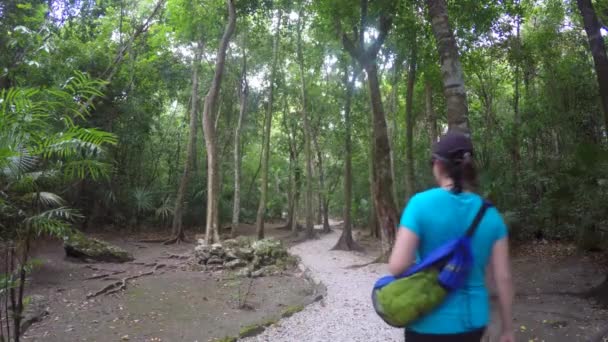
column 473, row 227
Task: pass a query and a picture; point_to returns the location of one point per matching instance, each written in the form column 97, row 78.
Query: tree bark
column 212, row 224
column 430, row 112
column 386, row 210
column 409, row 123
column 307, row 134
column 177, row 228
column 243, row 90
column 322, row 190
column 598, row 51
column 451, row 70
column 385, row 206
column 346, row 241
column 266, row 145
column 515, row 152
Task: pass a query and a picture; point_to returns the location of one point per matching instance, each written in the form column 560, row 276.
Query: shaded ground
column 178, row 305
column 174, row 304
column 546, row 276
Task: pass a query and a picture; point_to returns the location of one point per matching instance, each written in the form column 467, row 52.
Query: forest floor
column 180, row 305
column 542, row 272
column 173, row 304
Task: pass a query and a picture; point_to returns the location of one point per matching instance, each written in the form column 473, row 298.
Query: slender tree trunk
column 383, row 183
column 212, row 229
column 322, row 190
column 177, row 228
column 243, row 90
column 451, row 70
column 307, row 134
column 292, row 164
column 266, row 146
column 515, row 153
column 386, row 210
column 409, row 122
column 394, row 111
column 346, row 241
column 598, row 50
column 430, row 112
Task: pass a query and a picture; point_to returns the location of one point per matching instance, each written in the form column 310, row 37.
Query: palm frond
column 87, row 168
column 143, row 199
column 62, row 213
column 166, row 209
column 43, row 198
column 43, row 225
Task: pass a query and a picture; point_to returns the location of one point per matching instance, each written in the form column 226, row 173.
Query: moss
column 251, row 330
column 79, row 246
column 270, row 322
column 291, row 310
column 226, row 339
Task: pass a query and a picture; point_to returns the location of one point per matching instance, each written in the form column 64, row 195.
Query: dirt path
column 346, row 313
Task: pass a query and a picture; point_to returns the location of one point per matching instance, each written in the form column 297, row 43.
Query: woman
column 435, row 216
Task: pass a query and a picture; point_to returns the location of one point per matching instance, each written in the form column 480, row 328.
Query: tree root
column 379, row 260
column 105, row 275
column 121, row 285
column 176, row 256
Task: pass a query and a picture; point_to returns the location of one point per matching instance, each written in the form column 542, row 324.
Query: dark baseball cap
column 452, row 145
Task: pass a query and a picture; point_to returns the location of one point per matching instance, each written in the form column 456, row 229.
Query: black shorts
column 471, row 336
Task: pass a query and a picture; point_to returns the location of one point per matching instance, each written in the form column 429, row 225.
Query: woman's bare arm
column 403, row 254
column 501, row 268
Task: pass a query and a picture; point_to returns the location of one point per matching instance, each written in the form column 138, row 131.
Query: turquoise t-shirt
column 437, row 216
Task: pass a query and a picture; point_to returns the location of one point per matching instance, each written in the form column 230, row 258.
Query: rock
column 266, row 271
column 217, row 249
column 244, row 253
column 269, row 249
column 230, row 255
column 35, row 310
column 202, row 253
column 215, row 260
column 236, row 263
column 258, row 273
column 77, row 245
column 244, row 272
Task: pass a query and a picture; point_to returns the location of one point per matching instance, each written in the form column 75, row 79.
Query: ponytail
column 461, row 170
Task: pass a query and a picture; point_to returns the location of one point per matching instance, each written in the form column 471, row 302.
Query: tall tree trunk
column 383, row 183
column 430, row 112
column 307, row 133
column 292, row 160
column 386, row 210
column 212, row 228
column 266, row 146
column 346, row 241
column 177, row 228
column 394, row 112
column 451, row 70
column 515, row 153
column 243, row 90
column 409, row 122
column 322, row 190
column 598, row 50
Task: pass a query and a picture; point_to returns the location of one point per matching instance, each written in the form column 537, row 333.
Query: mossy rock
column 292, row 310
column 252, row 330
column 77, row 245
column 226, row 339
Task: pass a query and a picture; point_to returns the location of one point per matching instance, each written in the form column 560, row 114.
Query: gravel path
column 346, row 313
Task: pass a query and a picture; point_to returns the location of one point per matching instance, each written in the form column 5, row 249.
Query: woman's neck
column 446, row 183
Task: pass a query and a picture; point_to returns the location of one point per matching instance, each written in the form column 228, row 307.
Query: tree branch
column 385, row 26
column 355, row 52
